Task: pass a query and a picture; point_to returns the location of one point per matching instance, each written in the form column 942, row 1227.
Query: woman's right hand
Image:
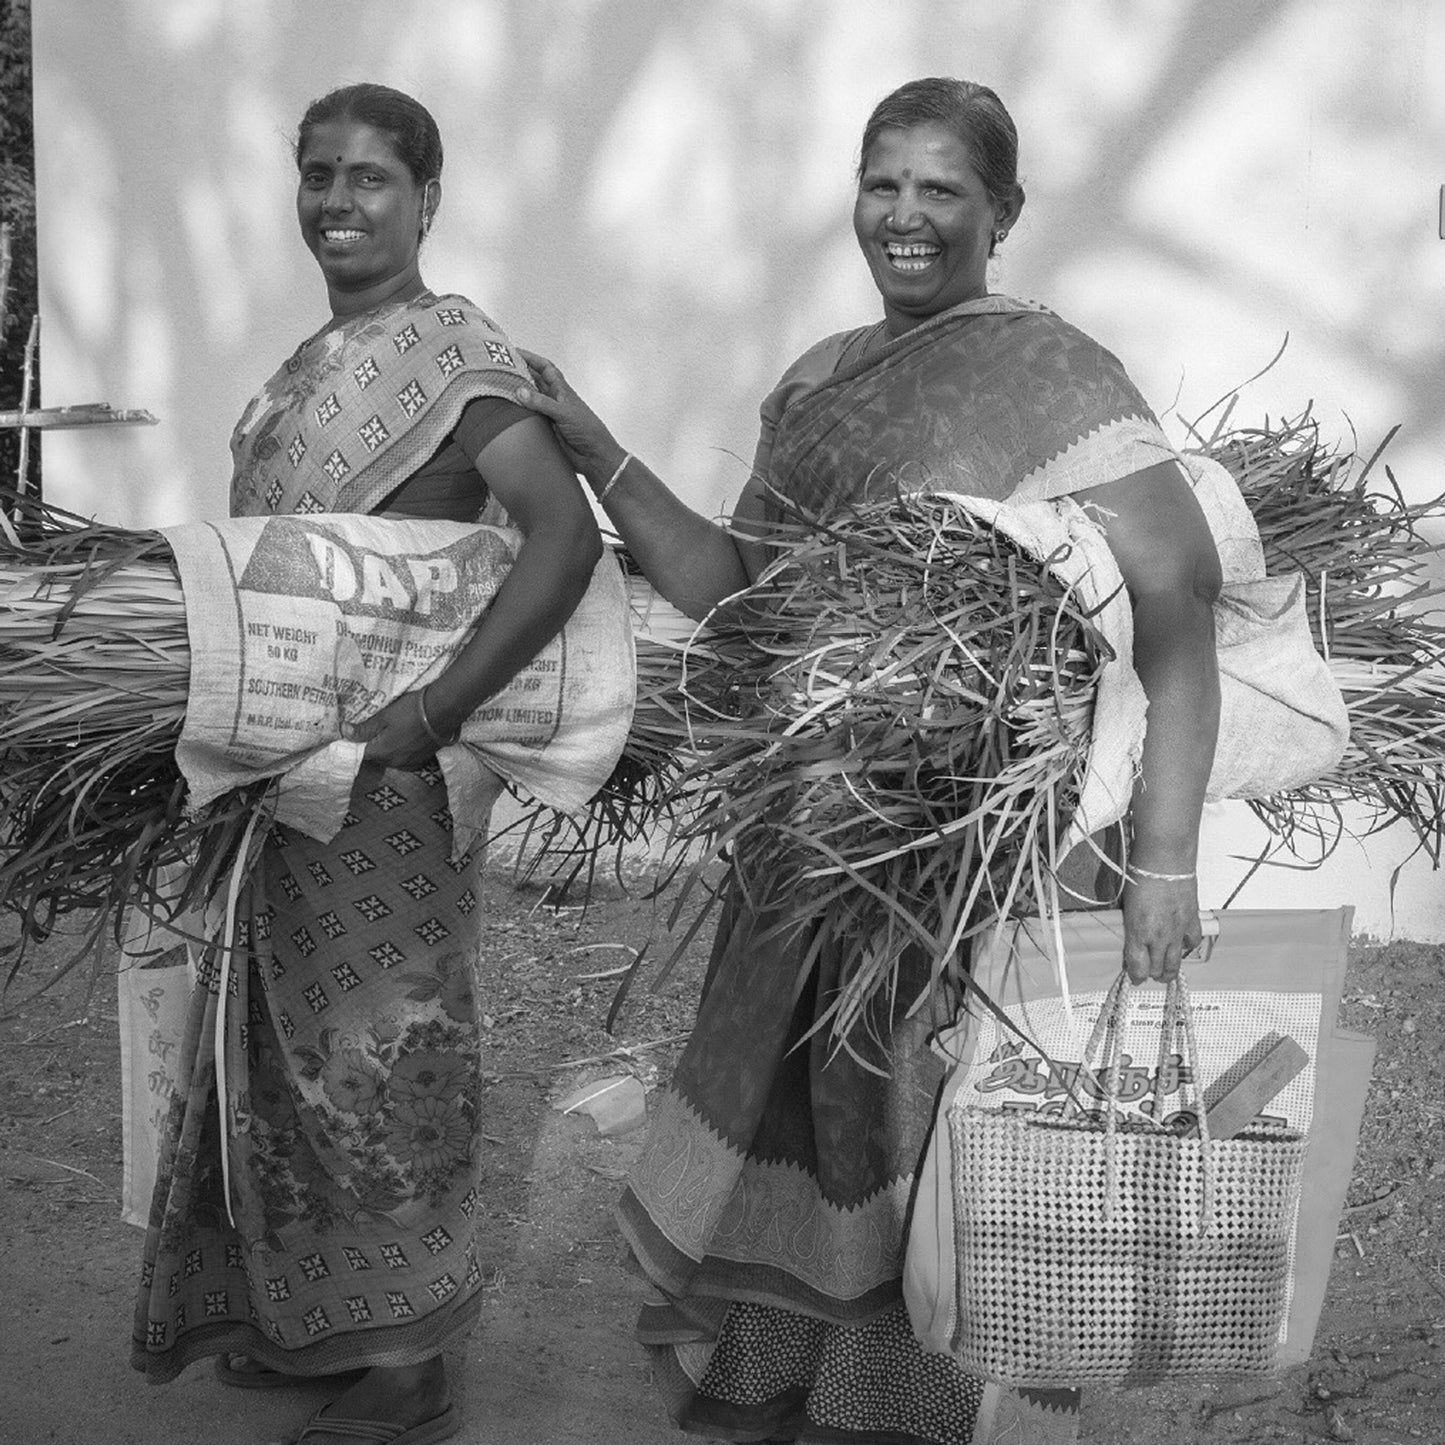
column 590, row 447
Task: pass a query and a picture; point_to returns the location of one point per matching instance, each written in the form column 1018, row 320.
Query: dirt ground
column 553, row 1362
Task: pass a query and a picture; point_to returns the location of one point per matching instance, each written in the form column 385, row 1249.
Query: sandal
column 429, row 1432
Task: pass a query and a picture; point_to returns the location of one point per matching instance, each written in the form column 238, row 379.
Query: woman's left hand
column 395, row 736
column 1161, row 925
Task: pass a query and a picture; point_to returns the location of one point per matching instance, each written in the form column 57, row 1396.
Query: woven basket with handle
column 1094, row 1248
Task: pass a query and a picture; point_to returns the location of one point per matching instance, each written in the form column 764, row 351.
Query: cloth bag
column 1266, row 972
column 153, row 981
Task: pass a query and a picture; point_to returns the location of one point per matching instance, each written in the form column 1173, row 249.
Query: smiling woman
column 325, row 1221
column 769, row 1207
column 363, row 210
column 927, row 220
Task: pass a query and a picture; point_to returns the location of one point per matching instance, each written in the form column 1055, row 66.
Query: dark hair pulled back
column 408, row 122
column 973, row 112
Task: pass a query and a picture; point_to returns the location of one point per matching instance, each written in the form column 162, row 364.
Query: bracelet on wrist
column 1149, row 873
column 611, row 481
column 427, row 727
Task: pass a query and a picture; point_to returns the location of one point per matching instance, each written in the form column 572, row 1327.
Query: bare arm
column 693, row 562
column 1159, row 537
column 527, row 473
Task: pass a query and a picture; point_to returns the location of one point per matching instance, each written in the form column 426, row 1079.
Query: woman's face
column 925, row 222
column 360, row 210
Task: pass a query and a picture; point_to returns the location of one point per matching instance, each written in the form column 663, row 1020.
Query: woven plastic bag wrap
column 1283, row 721
column 1078, row 556
column 1282, row 716
column 1036, row 1259
column 302, row 627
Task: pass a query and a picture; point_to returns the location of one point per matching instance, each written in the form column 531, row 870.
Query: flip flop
column 262, row 1377
column 429, row 1432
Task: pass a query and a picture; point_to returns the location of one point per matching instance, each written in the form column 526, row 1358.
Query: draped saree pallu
column 770, row 1203
column 328, row 1220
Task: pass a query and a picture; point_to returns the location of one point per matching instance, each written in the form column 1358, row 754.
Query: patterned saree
column 769, row 1208
column 339, row 1233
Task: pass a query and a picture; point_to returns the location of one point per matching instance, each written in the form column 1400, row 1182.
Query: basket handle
column 1178, row 1013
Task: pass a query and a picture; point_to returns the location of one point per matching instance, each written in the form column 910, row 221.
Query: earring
column 999, row 237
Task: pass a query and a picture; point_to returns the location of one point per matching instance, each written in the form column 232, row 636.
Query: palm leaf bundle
column 94, row 672
column 94, row 666
column 1364, row 551
column 890, row 728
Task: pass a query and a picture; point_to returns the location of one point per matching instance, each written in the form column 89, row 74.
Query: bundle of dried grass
column 94, row 672
column 892, row 726
column 1364, row 551
column 890, row 729
column 94, row 667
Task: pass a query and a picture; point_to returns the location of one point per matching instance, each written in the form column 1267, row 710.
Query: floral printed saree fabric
column 341, row 1231
column 361, row 406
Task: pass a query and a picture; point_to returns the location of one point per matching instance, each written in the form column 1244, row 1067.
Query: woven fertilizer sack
column 1074, row 549
column 1283, row 720
column 301, row 627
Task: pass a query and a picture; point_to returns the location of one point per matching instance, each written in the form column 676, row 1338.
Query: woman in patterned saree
column 351, row 1028
column 768, row 1207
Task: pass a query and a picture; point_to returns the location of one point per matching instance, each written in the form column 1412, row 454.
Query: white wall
column 657, row 193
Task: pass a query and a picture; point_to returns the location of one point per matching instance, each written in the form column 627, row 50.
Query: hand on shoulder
column 584, row 436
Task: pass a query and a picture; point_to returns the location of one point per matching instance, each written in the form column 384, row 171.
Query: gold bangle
column 612, row 480
column 430, row 731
